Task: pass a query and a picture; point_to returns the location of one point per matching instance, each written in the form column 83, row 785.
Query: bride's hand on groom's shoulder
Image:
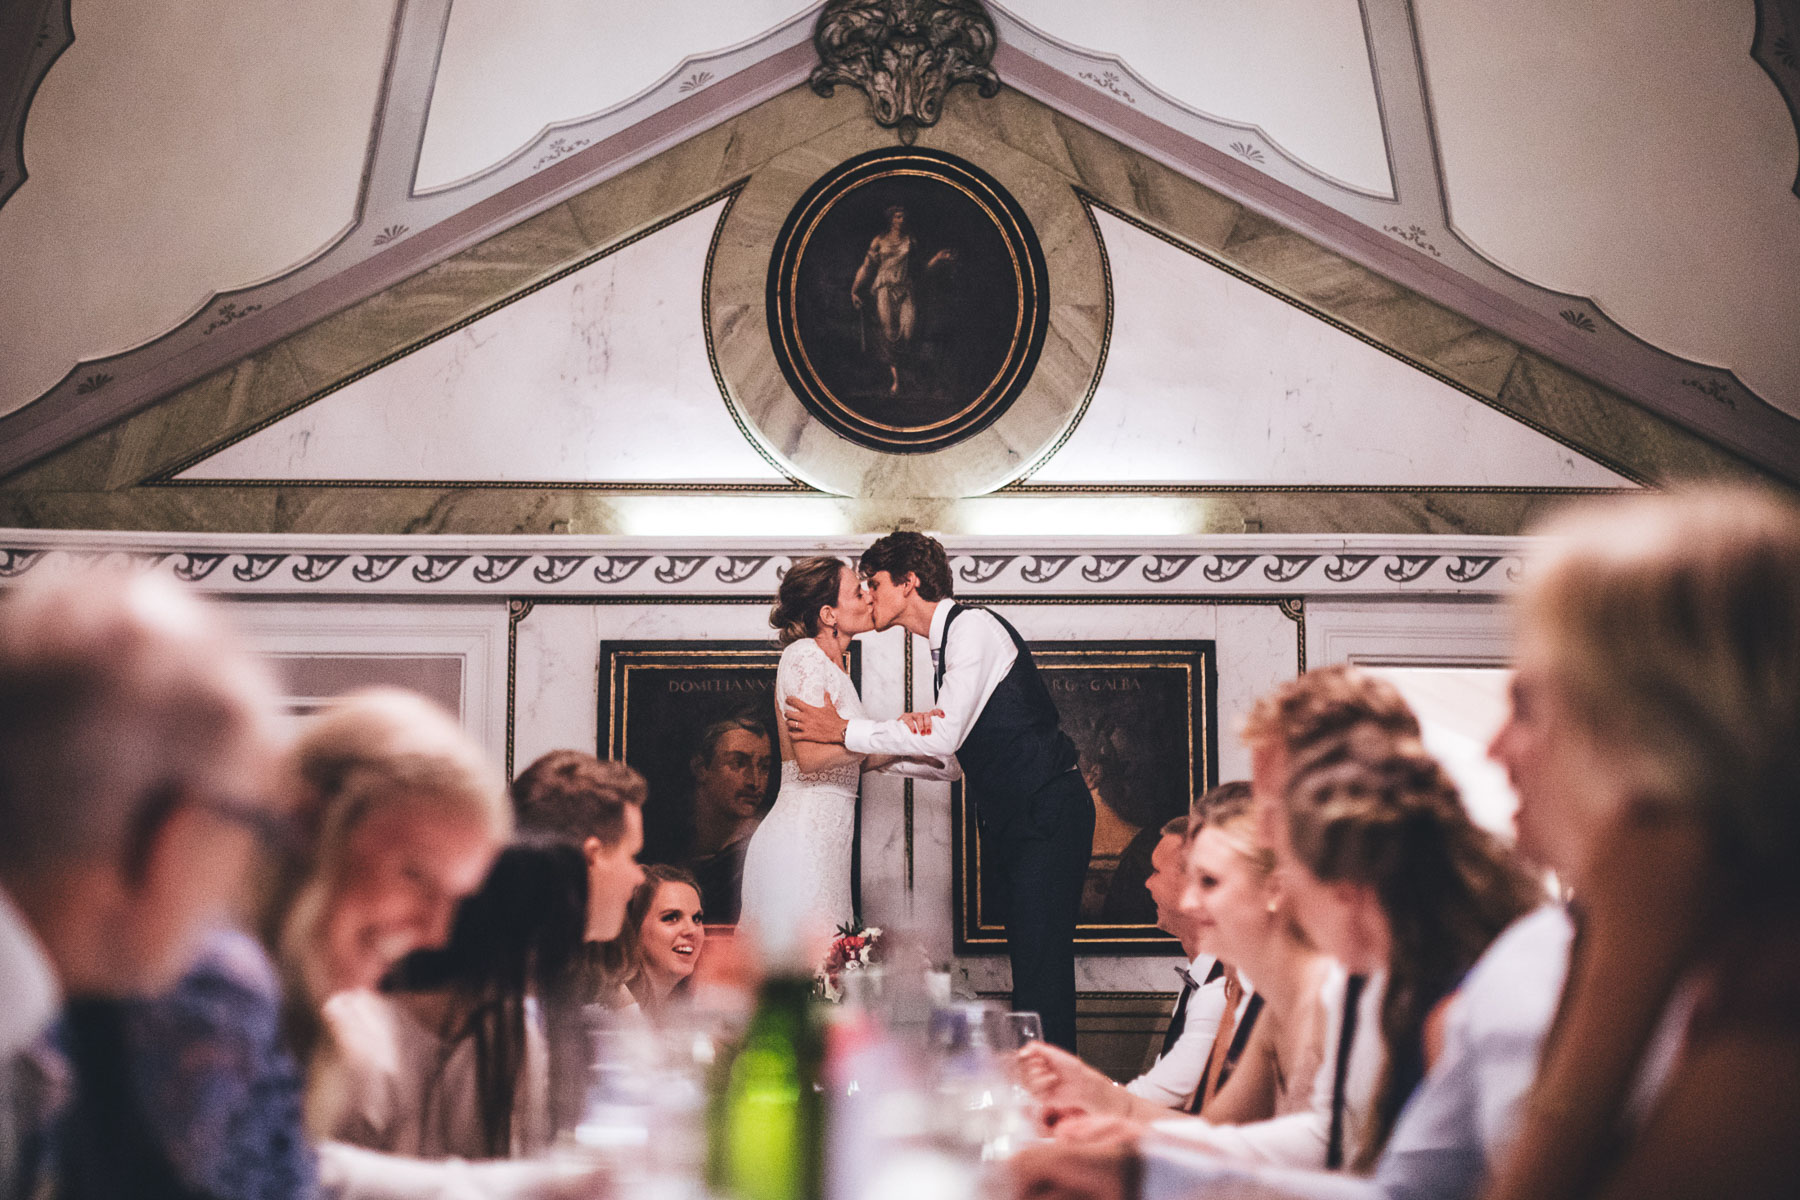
column 920, row 722
column 815, row 723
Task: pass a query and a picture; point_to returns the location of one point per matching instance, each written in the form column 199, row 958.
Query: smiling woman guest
column 451, row 1058
column 665, row 932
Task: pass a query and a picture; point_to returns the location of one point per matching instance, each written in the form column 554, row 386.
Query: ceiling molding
column 1407, row 237
column 501, row 567
column 33, row 35
column 398, row 234
column 1776, row 49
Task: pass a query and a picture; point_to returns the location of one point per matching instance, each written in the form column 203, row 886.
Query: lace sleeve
column 804, row 674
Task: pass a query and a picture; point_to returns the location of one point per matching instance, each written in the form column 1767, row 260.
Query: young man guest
column 597, row 806
column 1063, row 1082
column 995, row 714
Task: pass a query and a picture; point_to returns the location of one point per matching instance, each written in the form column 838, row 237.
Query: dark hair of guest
column 808, row 586
column 904, row 551
column 521, row 935
column 569, row 796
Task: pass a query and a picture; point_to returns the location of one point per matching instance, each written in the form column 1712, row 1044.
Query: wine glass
column 1024, row 1028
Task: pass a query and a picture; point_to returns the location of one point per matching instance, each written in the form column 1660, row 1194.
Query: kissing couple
column 993, row 724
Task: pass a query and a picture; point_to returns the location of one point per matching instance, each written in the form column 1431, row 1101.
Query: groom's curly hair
column 904, row 551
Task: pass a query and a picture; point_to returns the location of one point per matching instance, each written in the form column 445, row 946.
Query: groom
column 995, row 714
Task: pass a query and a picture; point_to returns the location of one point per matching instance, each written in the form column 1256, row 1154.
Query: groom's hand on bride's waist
column 807, row 723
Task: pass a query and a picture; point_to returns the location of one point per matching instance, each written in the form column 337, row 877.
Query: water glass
column 1023, row 1028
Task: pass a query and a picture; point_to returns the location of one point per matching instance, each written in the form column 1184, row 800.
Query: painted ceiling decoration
column 1468, row 211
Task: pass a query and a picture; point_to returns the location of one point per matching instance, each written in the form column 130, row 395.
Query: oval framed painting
column 908, row 300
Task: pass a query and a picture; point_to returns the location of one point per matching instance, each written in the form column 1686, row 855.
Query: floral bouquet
column 851, row 950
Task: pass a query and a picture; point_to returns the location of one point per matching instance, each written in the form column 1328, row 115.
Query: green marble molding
column 103, row 482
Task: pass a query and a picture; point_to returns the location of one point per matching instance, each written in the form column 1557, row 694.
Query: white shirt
column 29, row 999
column 1301, row 1138
column 1171, row 1081
column 1463, row 1116
column 973, row 668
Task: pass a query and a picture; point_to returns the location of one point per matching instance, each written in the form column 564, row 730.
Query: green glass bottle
column 767, row 1129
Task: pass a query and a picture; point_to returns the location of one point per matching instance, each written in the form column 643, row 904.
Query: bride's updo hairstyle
column 808, row 586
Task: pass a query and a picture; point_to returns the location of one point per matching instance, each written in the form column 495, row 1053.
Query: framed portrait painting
column 697, row 719
column 1143, row 718
column 908, row 300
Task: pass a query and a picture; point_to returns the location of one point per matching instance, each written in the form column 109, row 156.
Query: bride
column 797, row 867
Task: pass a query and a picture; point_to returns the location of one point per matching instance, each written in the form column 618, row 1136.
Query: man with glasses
column 137, row 771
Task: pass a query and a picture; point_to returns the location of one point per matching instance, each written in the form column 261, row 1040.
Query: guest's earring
column 1274, row 907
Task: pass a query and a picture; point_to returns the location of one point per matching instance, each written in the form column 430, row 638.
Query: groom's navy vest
column 1016, row 745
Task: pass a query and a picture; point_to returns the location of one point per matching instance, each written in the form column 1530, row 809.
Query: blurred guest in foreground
column 1065, row 1084
column 137, row 772
column 1658, row 698
column 596, row 806
column 665, row 931
column 1387, row 873
column 399, row 817
column 450, row 1058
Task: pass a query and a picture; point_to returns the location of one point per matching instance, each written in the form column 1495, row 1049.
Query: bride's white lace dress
column 797, row 867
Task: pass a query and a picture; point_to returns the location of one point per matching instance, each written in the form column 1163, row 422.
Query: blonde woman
column 1280, row 1036
column 1657, row 700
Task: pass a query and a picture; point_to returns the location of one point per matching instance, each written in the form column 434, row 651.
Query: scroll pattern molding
column 596, row 567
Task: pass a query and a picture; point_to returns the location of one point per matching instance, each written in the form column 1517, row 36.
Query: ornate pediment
column 905, row 54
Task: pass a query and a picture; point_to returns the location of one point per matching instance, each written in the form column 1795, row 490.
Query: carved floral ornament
column 905, row 55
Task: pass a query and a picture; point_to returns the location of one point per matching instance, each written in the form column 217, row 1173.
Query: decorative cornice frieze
column 905, row 55
column 1273, row 566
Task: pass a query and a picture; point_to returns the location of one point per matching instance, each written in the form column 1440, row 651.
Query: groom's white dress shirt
column 973, row 668
column 1465, row 1113
column 1175, row 1075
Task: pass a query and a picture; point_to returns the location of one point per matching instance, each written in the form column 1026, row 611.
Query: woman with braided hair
column 1386, row 873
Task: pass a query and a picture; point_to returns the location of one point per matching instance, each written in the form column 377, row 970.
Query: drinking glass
column 1023, row 1028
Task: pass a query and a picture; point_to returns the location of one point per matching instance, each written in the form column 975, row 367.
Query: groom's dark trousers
column 1037, row 824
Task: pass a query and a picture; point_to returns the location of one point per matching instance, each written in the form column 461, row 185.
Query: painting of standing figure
column 908, row 300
